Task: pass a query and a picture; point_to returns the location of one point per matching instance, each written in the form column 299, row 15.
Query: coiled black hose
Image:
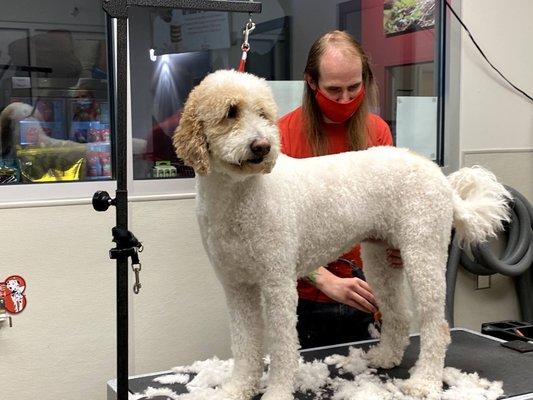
column 515, row 260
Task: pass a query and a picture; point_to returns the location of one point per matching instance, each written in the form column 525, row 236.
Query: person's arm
column 353, row 292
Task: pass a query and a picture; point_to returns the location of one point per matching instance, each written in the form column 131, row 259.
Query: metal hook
column 250, row 26
column 136, row 269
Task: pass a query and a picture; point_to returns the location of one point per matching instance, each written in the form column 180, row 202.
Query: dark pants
column 323, row 324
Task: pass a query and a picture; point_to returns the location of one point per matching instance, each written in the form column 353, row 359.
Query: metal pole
column 441, row 72
column 121, row 202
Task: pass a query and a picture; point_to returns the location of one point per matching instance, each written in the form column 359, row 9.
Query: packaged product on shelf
column 94, row 166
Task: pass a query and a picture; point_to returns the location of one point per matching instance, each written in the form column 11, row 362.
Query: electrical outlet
column 483, row 282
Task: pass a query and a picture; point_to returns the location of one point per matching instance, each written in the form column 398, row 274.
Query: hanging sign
column 190, row 30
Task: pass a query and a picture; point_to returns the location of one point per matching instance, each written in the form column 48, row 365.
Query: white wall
column 492, row 116
column 180, row 314
column 63, row 344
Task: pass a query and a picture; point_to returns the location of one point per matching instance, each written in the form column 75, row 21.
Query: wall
column 492, row 113
column 495, row 127
column 63, row 344
column 180, row 315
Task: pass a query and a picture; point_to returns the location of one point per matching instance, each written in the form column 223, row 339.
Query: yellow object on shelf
column 71, row 174
column 52, row 164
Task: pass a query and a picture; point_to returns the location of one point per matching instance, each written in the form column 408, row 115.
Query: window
column 172, row 50
column 55, row 114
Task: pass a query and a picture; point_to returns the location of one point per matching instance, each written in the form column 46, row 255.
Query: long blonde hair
column 357, row 124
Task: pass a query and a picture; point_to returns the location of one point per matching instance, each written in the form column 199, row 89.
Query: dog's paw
column 422, row 388
column 383, row 357
column 237, row 390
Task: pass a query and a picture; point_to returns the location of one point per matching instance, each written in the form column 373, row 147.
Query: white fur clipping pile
column 172, row 378
column 313, row 377
column 210, row 373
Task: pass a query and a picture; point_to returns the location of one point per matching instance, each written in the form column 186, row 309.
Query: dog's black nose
column 260, row 147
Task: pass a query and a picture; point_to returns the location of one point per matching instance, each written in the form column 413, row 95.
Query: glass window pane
column 54, row 103
column 172, row 50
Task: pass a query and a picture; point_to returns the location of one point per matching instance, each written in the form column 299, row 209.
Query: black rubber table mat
column 468, row 352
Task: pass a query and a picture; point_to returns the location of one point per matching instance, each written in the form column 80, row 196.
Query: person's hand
column 394, row 256
column 353, row 292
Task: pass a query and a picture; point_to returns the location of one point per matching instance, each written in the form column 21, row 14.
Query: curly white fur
column 313, row 378
column 268, row 219
column 480, row 204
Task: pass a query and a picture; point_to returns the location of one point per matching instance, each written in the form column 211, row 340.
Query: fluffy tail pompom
column 481, row 205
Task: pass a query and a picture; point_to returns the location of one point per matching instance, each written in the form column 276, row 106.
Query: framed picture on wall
column 404, row 16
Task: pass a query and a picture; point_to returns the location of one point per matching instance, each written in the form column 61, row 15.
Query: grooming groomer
column 335, row 304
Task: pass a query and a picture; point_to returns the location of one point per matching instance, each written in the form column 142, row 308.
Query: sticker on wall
column 12, row 293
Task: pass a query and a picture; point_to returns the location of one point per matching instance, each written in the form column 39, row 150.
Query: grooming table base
column 469, row 351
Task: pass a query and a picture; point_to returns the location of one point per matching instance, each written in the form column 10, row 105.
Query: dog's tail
column 481, row 205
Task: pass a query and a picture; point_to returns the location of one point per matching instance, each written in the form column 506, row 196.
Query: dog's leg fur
column 281, row 299
column 388, row 286
column 425, row 271
column 244, row 304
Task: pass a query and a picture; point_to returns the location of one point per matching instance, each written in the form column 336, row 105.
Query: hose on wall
column 515, row 261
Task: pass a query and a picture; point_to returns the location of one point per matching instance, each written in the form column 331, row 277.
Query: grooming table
column 469, row 351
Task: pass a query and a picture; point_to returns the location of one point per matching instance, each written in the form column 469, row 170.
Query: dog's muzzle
column 259, row 148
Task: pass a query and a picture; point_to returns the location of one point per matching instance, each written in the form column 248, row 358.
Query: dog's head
column 229, row 125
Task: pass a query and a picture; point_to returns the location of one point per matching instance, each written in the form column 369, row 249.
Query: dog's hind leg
column 387, row 284
column 281, row 300
column 425, row 267
column 246, row 322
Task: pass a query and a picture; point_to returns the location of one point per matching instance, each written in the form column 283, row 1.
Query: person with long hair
column 335, row 304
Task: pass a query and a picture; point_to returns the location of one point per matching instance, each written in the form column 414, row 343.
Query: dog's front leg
column 244, row 304
column 281, row 300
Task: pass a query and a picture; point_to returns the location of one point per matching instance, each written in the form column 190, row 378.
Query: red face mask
column 339, row 112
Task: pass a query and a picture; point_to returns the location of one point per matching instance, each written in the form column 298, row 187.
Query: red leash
column 242, row 63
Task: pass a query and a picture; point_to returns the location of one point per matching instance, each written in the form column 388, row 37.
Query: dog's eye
column 263, row 114
column 232, row 111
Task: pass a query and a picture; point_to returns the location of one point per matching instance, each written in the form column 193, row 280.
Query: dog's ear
column 189, row 139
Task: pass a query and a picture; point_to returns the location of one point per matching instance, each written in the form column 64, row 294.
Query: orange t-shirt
column 294, row 143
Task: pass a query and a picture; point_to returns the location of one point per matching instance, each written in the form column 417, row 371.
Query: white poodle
column 267, row 219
